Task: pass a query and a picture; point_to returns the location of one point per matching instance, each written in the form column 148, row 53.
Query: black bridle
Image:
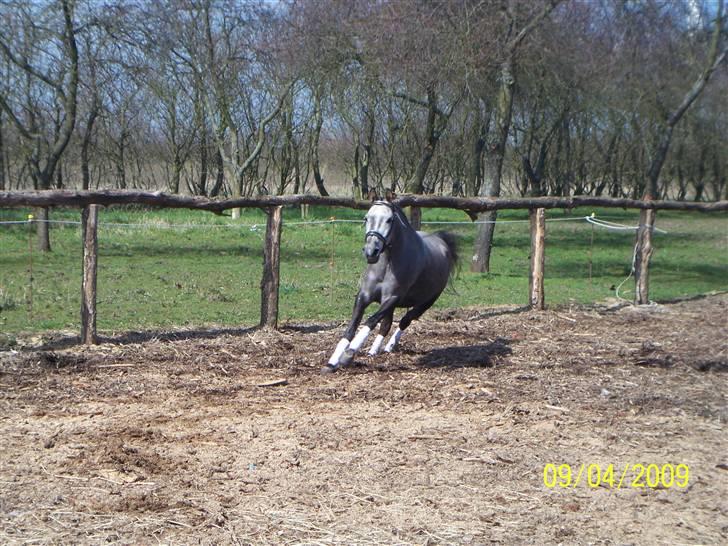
column 374, row 233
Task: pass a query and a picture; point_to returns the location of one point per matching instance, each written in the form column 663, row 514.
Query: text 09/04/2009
column 635, row 476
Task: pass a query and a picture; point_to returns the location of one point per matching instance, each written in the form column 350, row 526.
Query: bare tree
column 497, row 139
column 2, row 152
column 48, row 78
column 469, row 97
column 240, row 140
column 643, row 250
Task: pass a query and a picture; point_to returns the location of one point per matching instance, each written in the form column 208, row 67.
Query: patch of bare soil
column 235, row 437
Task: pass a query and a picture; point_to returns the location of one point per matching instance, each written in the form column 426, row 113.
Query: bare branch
column 713, row 62
column 533, row 23
column 27, row 67
column 260, row 141
column 18, row 124
column 420, row 102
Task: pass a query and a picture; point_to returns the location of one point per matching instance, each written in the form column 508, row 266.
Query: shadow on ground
column 468, row 356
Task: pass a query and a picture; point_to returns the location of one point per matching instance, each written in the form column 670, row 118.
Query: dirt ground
column 234, row 436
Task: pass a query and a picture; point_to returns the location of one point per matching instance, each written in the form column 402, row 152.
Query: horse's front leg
column 360, row 304
column 385, row 310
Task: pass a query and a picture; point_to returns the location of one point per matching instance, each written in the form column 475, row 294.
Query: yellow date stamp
column 626, row 476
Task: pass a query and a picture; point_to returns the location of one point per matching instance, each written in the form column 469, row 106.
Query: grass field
column 178, row 268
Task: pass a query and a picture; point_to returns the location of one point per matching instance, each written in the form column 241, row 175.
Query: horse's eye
column 389, row 220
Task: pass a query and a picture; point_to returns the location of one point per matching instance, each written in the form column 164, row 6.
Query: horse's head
column 380, row 226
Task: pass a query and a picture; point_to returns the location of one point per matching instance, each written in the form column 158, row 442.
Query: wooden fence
column 89, row 201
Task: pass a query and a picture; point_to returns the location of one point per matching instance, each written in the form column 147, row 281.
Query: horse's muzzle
column 372, row 254
column 373, row 247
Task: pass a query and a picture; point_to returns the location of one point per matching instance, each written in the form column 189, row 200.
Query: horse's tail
column 451, row 242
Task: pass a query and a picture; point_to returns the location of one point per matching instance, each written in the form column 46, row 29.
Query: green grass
column 209, row 273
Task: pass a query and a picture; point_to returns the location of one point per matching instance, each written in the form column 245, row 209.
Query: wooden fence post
column 89, row 221
column 415, row 218
column 537, row 219
column 642, row 255
column 269, row 285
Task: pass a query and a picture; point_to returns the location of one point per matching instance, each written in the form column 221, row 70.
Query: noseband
column 379, row 236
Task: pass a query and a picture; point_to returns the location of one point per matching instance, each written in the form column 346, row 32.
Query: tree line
column 622, row 98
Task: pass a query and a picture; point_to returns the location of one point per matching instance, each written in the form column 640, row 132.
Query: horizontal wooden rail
column 273, row 205
column 71, row 198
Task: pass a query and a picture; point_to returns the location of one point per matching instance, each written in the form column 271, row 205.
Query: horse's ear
column 389, row 195
column 373, row 196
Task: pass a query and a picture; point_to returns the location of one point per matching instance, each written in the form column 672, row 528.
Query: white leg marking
column 360, row 338
column 340, row 348
column 392, row 343
column 377, row 345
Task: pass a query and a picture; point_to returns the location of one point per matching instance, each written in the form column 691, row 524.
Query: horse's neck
column 407, row 233
column 406, row 245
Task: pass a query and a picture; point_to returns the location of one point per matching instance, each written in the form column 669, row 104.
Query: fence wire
column 158, row 273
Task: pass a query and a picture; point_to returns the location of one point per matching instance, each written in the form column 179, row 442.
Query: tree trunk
column 356, row 190
column 85, row 169
column 494, row 156
column 317, row 178
column 202, row 181
column 678, row 173
column 43, row 229
column 232, row 172
column 608, row 161
column 533, row 178
column 86, row 144
column 236, row 189
column 296, row 170
column 417, row 184
column 366, row 158
column 718, row 179
column 59, row 176
column 484, row 241
column 700, row 180
column 433, row 131
column 2, row 155
column 120, row 162
column 220, row 177
column 177, row 166
column 477, row 145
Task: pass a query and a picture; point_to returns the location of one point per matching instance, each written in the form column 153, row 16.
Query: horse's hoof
column 347, row 358
column 329, row 368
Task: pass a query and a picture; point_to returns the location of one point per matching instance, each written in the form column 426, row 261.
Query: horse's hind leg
column 384, row 327
column 413, row 314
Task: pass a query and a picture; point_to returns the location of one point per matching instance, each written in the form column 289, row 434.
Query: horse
column 405, row 269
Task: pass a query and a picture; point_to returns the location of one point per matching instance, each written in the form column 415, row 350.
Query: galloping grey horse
column 406, row 268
